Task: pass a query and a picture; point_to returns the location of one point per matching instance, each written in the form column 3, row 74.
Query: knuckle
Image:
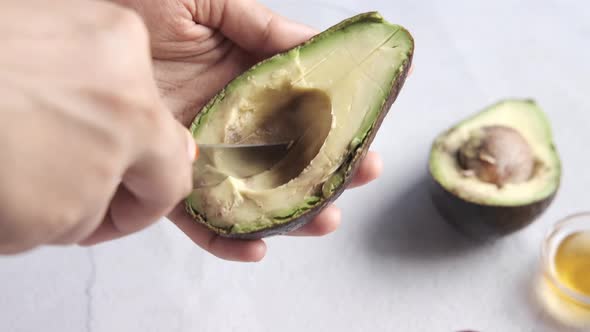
column 120, row 110
column 149, row 129
column 111, row 100
column 106, row 173
column 67, row 219
column 157, row 129
column 128, row 23
column 121, row 50
column 130, row 116
column 152, row 119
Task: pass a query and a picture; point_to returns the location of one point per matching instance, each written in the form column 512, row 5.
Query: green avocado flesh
column 540, row 172
column 328, row 96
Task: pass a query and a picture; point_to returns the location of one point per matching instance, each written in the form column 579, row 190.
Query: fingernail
column 193, row 150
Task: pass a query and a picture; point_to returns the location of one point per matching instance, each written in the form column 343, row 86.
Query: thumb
column 251, row 25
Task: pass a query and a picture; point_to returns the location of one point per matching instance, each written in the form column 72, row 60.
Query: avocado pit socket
column 302, row 116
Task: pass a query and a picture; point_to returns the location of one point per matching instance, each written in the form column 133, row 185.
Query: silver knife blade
column 241, row 160
column 242, row 146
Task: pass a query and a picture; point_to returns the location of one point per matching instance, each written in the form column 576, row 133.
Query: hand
column 198, row 47
column 88, row 147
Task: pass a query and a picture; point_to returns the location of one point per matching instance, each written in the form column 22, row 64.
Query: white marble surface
column 393, row 265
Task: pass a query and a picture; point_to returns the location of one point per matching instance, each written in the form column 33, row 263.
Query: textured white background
column 394, row 265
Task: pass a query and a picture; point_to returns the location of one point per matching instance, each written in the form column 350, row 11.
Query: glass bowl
column 575, row 223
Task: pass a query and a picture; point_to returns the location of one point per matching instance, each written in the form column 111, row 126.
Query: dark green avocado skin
column 485, row 222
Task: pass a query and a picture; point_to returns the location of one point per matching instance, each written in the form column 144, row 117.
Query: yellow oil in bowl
column 572, row 263
column 564, row 287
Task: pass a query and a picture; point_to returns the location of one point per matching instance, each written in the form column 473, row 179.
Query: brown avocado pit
column 498, row 155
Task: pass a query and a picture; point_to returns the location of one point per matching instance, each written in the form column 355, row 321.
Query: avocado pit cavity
column 302, row 116
column 498, row 155
column 269, row 114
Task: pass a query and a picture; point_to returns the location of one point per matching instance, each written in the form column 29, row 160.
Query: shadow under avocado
column 410, row 227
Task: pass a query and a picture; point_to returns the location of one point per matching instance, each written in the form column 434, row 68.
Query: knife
column 240, row 160
column 242, row 146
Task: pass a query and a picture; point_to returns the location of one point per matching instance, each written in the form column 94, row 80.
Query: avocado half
column 495, row 172
column 328, row 96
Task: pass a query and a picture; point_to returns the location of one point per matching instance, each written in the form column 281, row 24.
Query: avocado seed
column 498, row 155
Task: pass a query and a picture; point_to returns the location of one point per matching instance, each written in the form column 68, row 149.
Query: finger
column 153, row 185
column 324, row 223
column 224, row 248
column 82, row 231
column 251, row 25
column 107, row 231
column 370, row 169
column 158, row 181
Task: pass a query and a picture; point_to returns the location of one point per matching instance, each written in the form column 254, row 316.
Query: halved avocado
column 329, row 96
column 497, row 171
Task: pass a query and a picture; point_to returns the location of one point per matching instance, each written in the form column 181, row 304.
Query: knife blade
column 240, row 160
column 242, row 146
